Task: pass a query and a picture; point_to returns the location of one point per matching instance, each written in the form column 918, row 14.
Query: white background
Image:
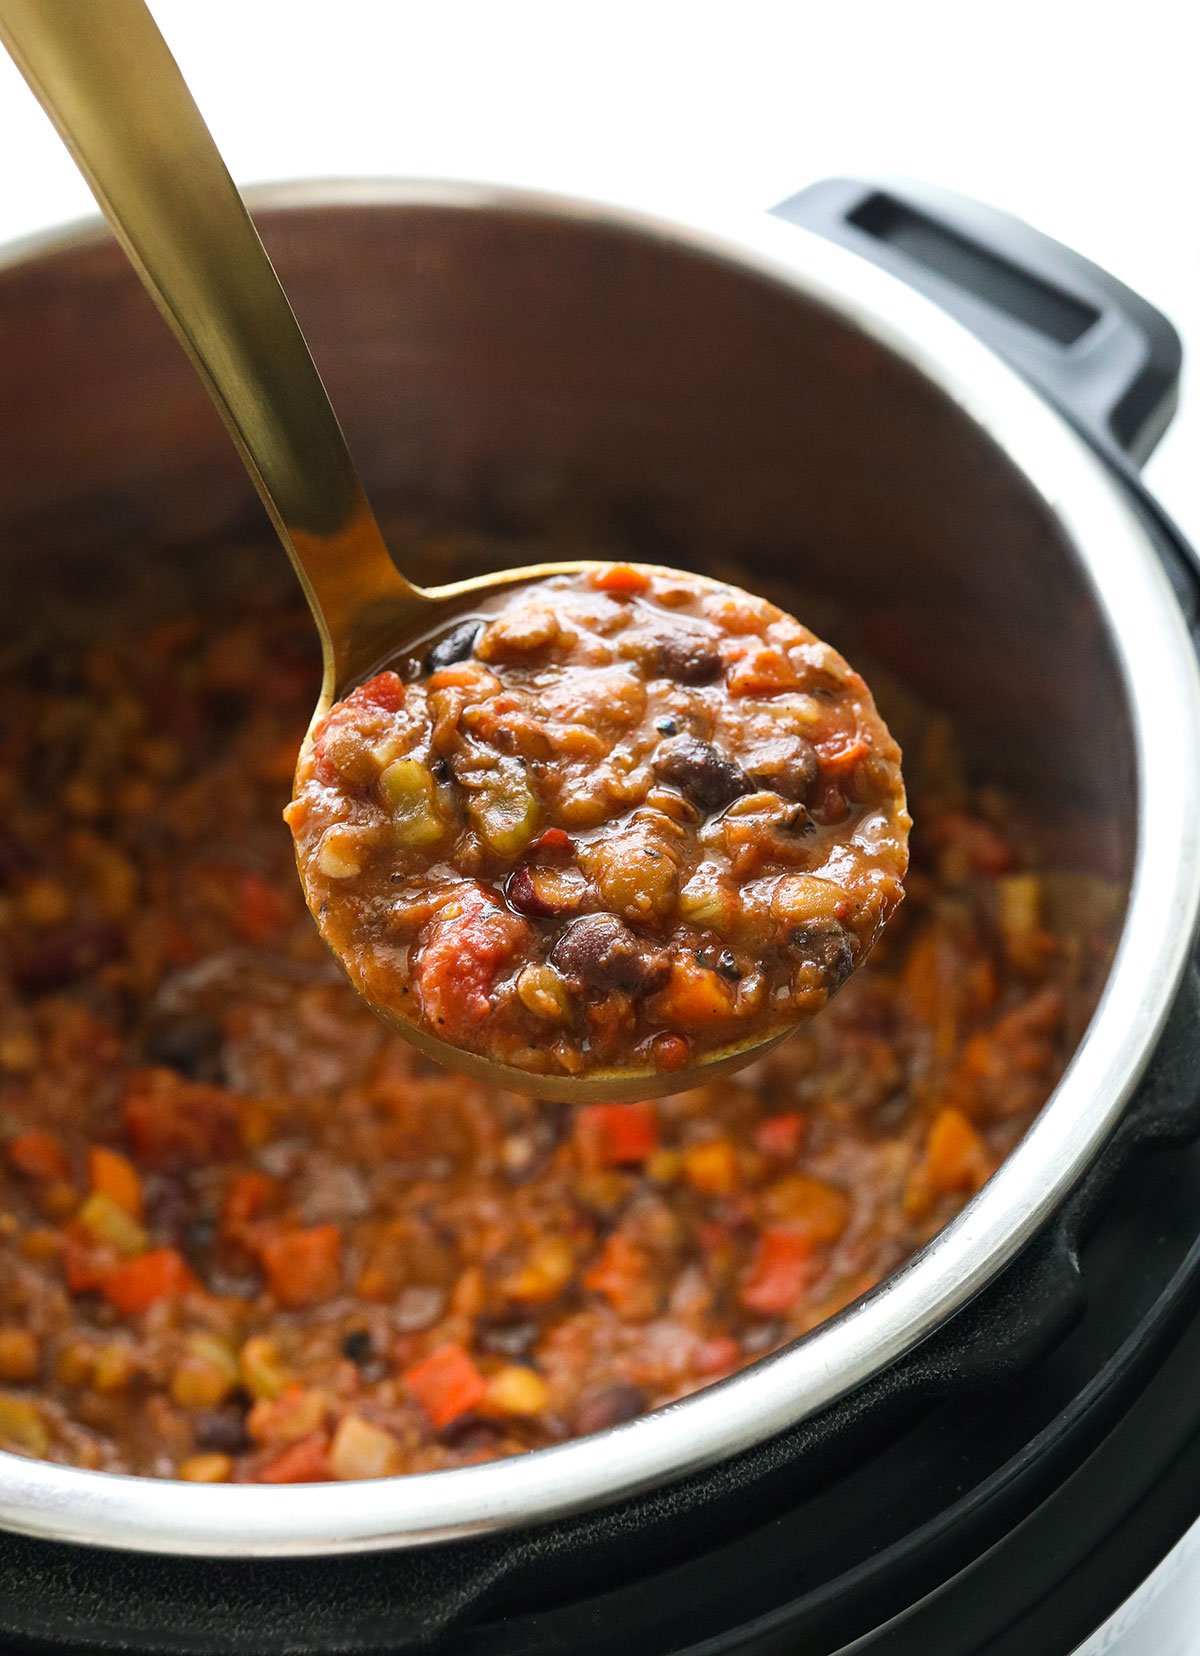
column 1079, row 116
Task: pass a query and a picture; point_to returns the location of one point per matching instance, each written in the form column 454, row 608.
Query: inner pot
column 734, row 395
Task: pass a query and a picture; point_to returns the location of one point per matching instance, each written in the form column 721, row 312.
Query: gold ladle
column 103, row 73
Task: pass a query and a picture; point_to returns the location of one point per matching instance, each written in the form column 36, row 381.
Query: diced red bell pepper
column 261, row 912
column 617, row 1135
column 446, row 1384
column 303, row 1462
column 302, row 1266
column 781, row 1135
column 137, row 1284
column 781, row 1268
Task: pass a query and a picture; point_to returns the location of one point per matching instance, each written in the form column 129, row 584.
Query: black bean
column 687, row 657
column 222, row 1430
column 357, row 1345
column 610, row 1405
column 452, row 647
column 789, row 766
column 702, row 774
column 513, row 1339
column 64, row 955
column 827, row 945
column 605, row 953
column 199, row 1235
column 193, row 1044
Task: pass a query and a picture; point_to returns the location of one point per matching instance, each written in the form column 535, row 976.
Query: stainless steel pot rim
column 1162, row 683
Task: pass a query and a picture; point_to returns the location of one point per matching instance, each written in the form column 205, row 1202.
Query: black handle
column 1104, row 356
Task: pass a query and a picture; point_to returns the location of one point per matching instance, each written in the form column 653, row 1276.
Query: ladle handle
column 103, row 73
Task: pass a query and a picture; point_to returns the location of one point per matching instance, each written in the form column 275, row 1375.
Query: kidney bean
column 605, row 953
column 66, row 954
column 610, row 1405
column 702, row 774
column 688, row 657
column 453, row 647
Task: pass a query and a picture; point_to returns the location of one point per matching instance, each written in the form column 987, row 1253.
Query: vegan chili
column 247, row 1233
column 625, row 820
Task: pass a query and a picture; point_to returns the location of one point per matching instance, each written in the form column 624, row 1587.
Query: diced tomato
column 39, row 1154
column 466, row 944
column 137, row 1284
column 781, row 1268
column 781, row 1135
column 113, row 1175
column 302, row 1266
column 385, row 690
column 303, row 1462
column 622, row 579
column 446, row 1384
column 261, row 911
column 617, row 1135
column 174, row 1123
column 248, row 1197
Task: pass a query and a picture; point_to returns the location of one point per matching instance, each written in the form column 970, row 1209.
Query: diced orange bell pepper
column 782, row 1266
column 446, row 1384
column 617, row 1135
column 841, row 752
column 302, row 1266
column 113, row 1175
column 625, row 580
column 956, row 1156
column 693, row 998
column 763, row 670
column 137, row 1284
column 39, row 1154
column 303, row 1462
column 711, row 1167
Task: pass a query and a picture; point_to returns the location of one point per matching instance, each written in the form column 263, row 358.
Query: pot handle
column 1107, row 359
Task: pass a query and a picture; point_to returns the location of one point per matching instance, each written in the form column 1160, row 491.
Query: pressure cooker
column 932, row 417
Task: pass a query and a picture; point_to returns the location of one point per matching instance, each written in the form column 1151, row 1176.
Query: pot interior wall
column 542, row 377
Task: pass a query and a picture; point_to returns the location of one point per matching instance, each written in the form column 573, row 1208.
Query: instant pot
column 929, row 419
